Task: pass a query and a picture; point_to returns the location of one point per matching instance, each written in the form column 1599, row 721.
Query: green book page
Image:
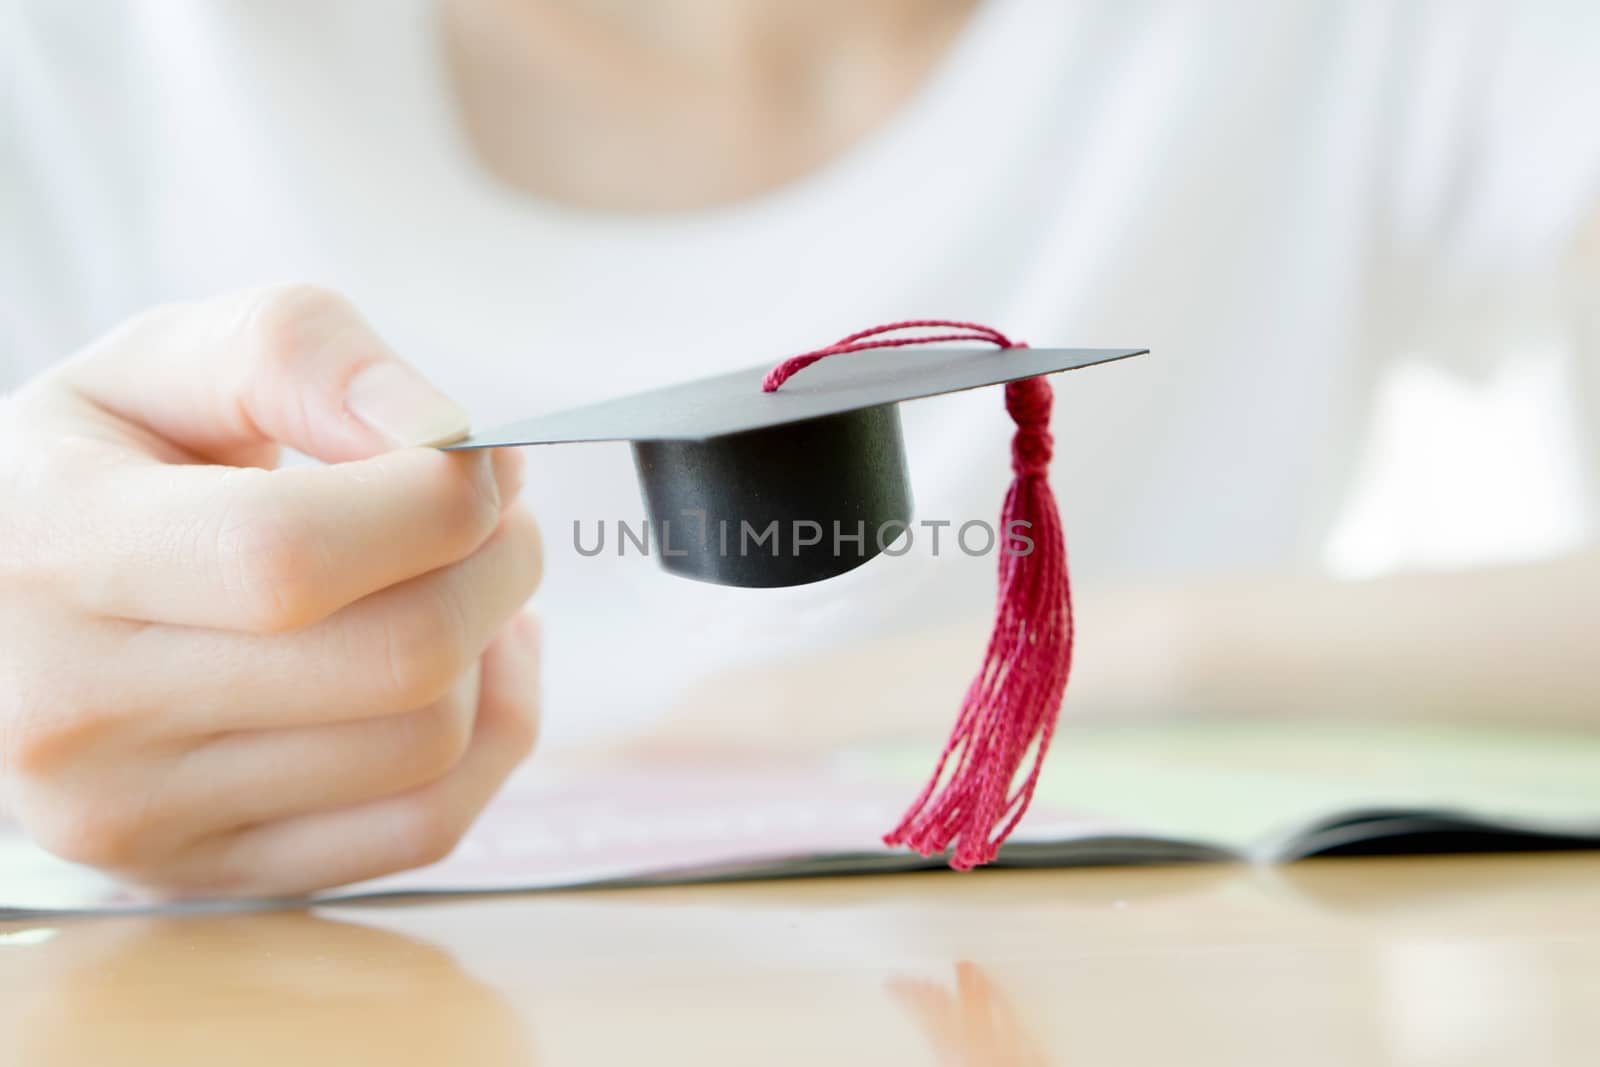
column 1241, row 783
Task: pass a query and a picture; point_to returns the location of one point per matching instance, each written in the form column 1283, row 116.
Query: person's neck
column 680, row 104
column 735, row 34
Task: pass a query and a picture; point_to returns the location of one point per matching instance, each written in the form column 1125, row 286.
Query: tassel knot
column 1029, row 401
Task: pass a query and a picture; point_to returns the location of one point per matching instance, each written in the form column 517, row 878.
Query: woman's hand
column 217, row 677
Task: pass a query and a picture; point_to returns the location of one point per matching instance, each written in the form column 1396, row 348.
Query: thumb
column 293, row 365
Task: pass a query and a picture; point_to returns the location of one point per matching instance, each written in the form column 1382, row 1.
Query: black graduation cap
column 808, row 467
column 748, row 488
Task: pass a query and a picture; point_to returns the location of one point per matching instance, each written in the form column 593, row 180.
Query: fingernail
column 397, row 402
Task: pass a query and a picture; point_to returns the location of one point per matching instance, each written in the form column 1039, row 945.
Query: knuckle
column 48, row 731
column 516, row 726
column 275, row 572
column 96, row 831
column 438, row 738
column 284, row 321
column 522, row 731
column 425, row 648
column 428, row 832
column 463, row 501
column 286, row 334
column 35, row 749
column 525, row 545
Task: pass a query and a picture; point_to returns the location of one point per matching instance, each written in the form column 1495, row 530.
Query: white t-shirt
column 1281, row 200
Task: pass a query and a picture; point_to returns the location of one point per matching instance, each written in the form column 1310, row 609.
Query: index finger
column 268, row 551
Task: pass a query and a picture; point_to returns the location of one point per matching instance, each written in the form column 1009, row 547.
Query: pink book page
column 562, row 827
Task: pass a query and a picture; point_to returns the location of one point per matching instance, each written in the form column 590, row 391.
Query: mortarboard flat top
column 763, row 489
column 732, row 403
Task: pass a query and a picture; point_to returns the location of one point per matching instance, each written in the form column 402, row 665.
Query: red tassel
column 1011, row 706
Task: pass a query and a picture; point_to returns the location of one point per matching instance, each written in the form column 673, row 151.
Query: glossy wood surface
column 1444, row 961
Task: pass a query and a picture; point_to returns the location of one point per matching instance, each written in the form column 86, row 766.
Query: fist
column 220, row 677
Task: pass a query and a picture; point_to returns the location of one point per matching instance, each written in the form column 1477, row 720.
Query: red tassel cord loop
column 862, row 340
column 972, row 802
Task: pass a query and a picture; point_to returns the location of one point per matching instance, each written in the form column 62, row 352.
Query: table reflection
column 970, row 1022
column 284, row 988
column 1466, row 962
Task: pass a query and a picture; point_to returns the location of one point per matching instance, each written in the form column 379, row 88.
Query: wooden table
column 1446, row 961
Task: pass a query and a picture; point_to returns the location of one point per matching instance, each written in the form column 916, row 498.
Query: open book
column 1186, row 793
